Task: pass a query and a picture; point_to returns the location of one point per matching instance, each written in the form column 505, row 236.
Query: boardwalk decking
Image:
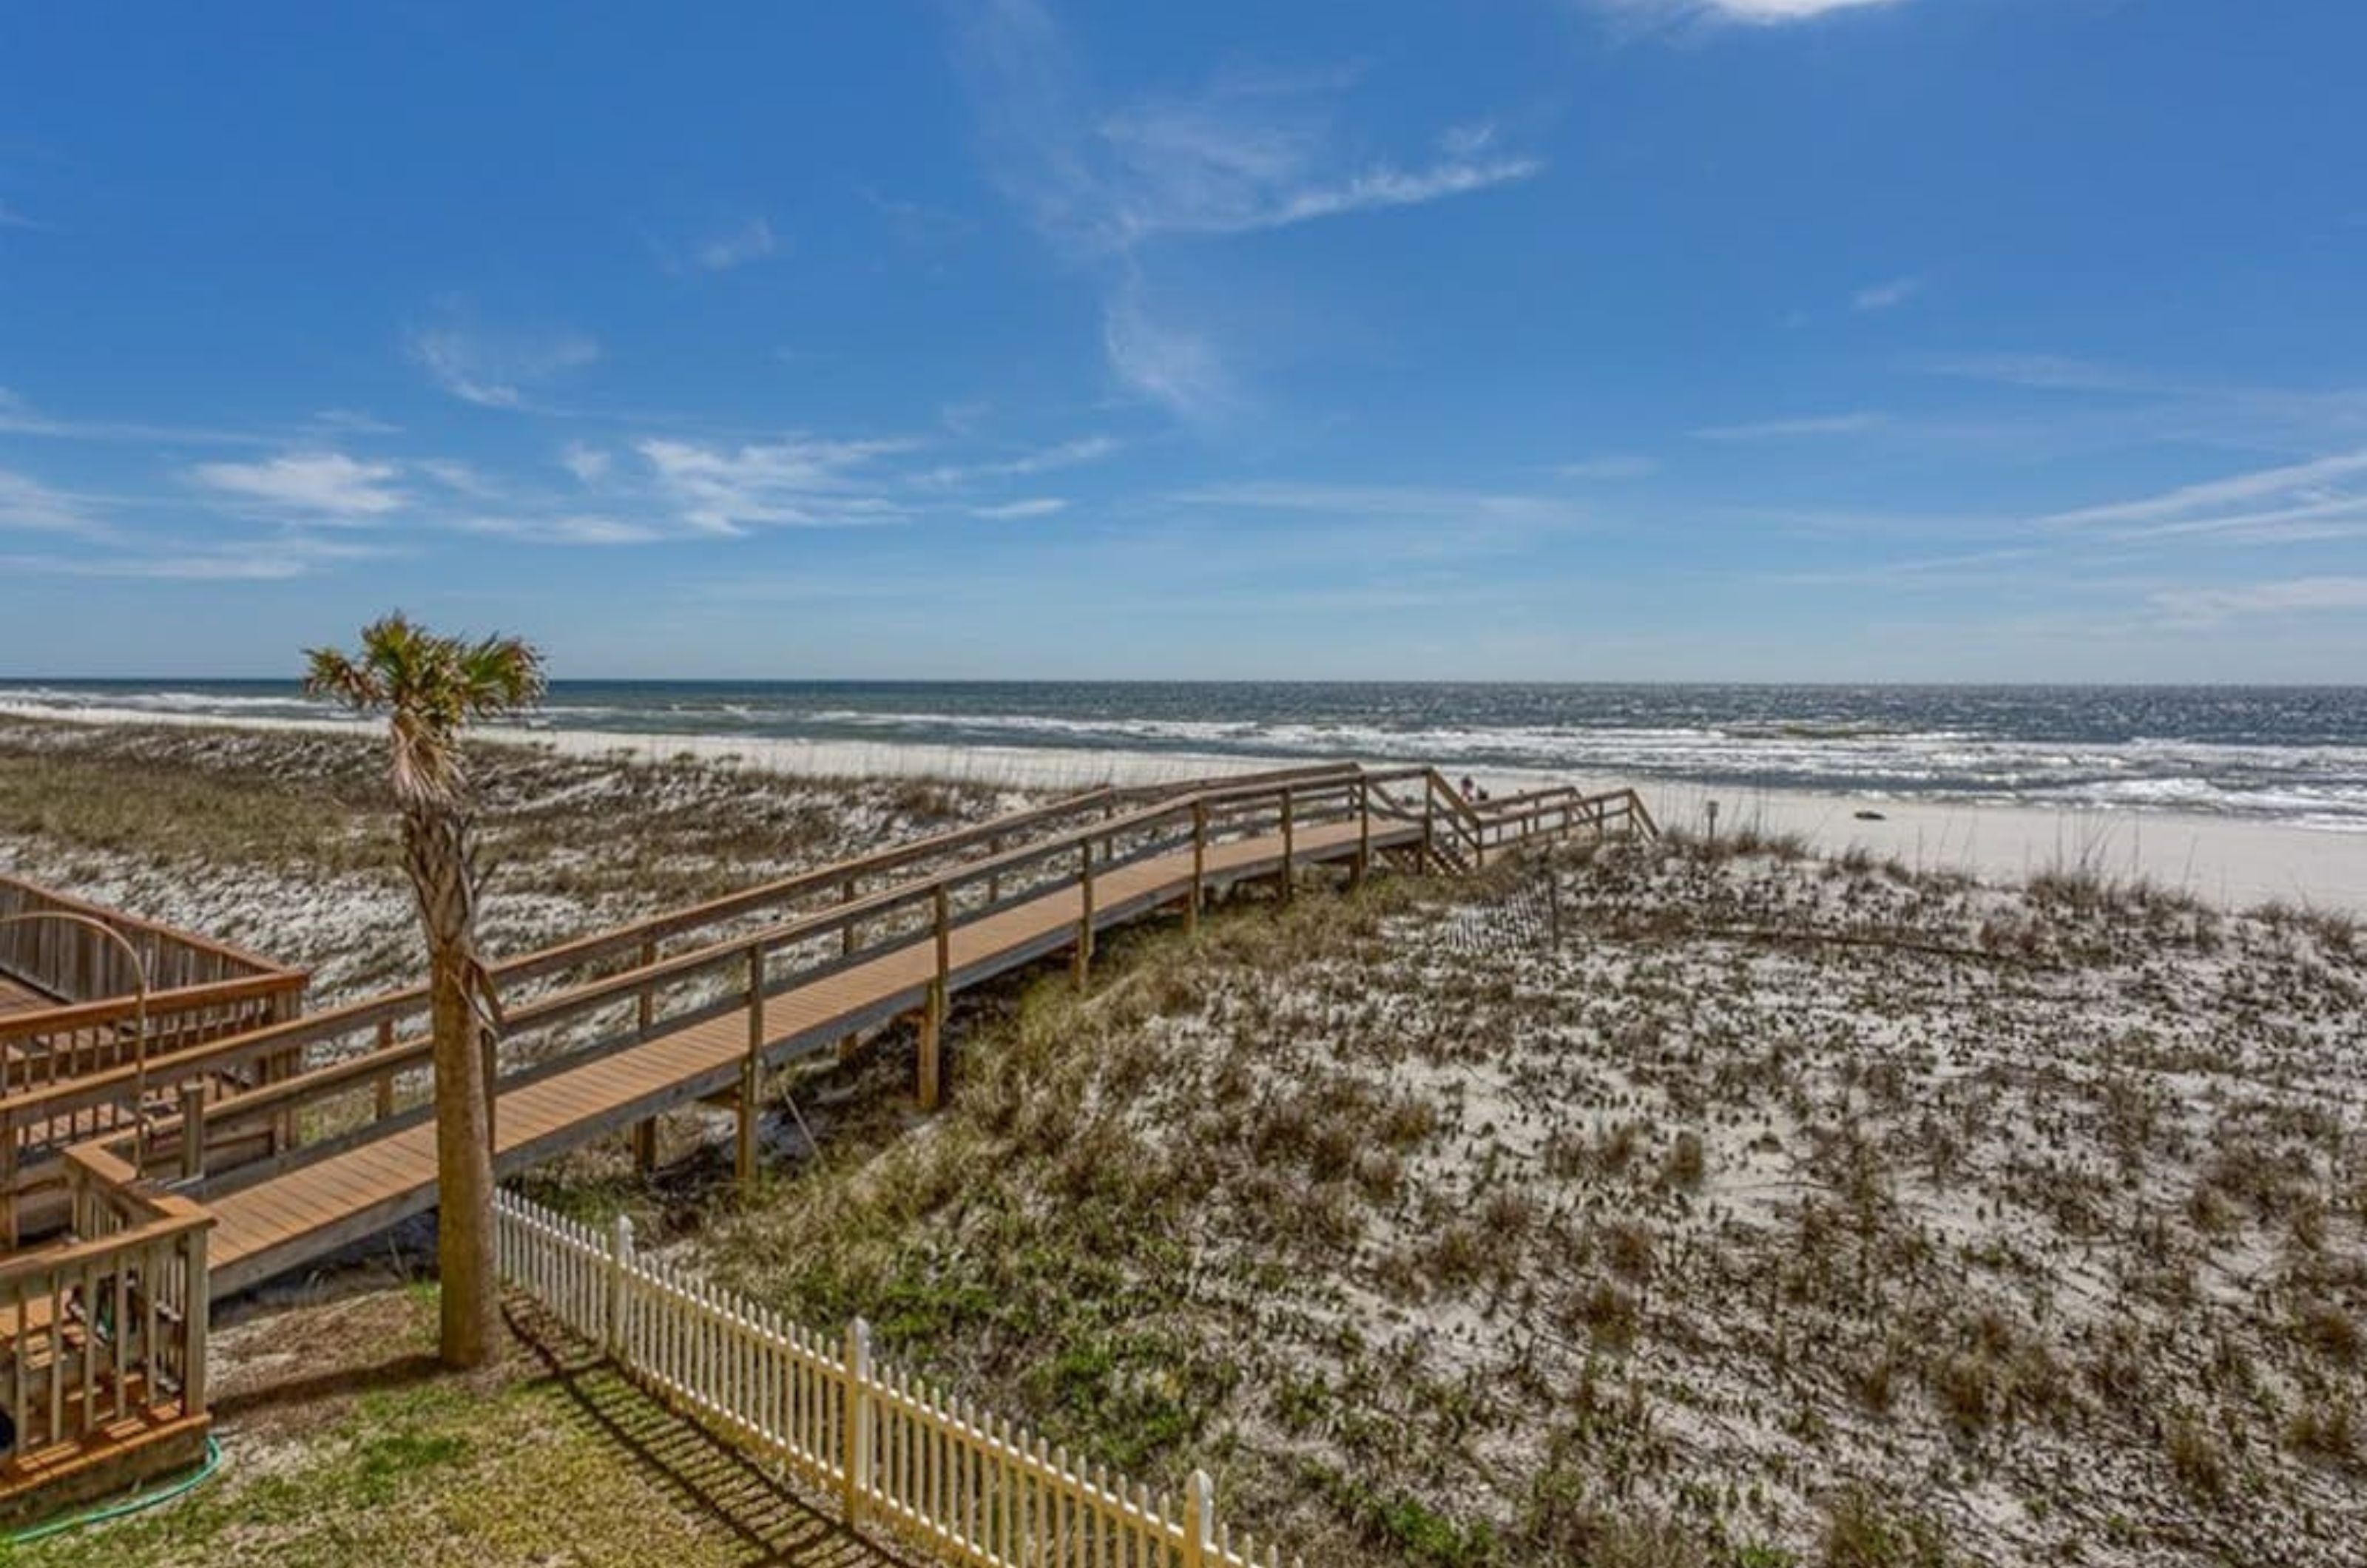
column 270, row 1224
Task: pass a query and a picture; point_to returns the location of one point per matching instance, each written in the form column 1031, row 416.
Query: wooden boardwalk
column 239, row 1141
column 268, row 1225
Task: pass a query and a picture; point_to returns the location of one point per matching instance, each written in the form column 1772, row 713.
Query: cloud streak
column 1879, row 297
column 1750, row 13
column 799, row 481
column 752, row 240
column 31, row 506
column 2311, row 483
column 1794, row 429
column 2298, row 595
column 325, row 487
column 497, row 370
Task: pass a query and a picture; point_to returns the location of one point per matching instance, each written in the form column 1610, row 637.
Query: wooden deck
column 274, row 1223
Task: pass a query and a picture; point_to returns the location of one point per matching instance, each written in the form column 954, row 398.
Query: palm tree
column 430, row 688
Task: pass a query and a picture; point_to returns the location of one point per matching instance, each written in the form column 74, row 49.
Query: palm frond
column 430, row 687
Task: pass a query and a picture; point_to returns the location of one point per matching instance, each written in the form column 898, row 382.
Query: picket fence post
column 1199, row 1519
column 621, row 1268
column 856, row 1449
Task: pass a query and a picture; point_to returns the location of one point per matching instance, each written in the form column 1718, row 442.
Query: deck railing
column 156, row 988
column 903, row 1459
column 110, row 1324
column 124, row 992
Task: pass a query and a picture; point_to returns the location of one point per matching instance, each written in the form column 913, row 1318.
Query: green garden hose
column 129, row 1506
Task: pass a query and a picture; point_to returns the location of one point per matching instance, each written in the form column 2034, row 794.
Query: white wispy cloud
column 1788, row 428
column 799, row 481
column 28, row 505
column 589, row 464
column 1231, row 161
column 2046, row 372
column 273, row 559
column 1174, row 367
column 12, row 218
column 19, row 417
column 1043, row 460
column 351, row 421
column 1885, row 295
column 463, row 478
column 1610, row 466
column 498, row 370
column 2295, row 595
column 1393, row 503
column 750, row 240
column 327, row 487
column 1034, row 507
column 1758, row 13
column 566, row 528
column 2319, row 483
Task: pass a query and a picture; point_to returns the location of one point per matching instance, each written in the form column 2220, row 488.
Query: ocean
column 2288, row 754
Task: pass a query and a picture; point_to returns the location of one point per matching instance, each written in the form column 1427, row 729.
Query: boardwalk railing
column 901, row 1457
column 195, row 989
column 109, row 1327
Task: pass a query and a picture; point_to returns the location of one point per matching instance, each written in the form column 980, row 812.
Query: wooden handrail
column 47, row 1262
column 109, row 1009
column 822, row 878
column 235, row 1110
column 597, row 993
column 112, row 1084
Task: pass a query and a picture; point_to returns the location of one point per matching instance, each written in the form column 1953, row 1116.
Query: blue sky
column 1557, row 339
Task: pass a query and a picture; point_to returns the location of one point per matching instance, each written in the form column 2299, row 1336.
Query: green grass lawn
column 550, row 1459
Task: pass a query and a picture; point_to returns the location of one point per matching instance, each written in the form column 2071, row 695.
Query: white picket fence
column 898, row 1455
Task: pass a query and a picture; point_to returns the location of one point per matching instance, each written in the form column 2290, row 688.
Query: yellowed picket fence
column 901, row 1457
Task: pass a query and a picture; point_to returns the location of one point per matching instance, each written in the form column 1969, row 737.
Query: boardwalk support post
column 385, row 1098
column 1364, row 830
column 1199, row 865
column 846, row 1043
column 1084, row 962
column 931, row 1089
column 855, row 1451
column 489, row 1054
column 750, row 1070
column 1289, row 855
column 193, row 1129
column 645, row 1019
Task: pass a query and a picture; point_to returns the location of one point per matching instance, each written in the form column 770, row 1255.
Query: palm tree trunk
column 435, row 855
